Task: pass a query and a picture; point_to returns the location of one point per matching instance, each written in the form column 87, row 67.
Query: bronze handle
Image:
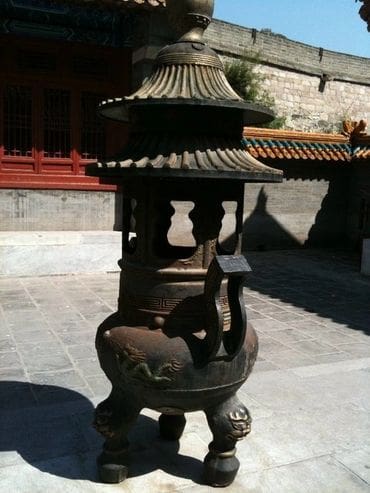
column 220, row 344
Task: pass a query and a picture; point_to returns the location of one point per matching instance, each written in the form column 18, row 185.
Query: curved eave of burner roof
column 182, row 156
column 286, row 145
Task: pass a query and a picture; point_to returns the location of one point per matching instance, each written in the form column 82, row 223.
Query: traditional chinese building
column 59, row 59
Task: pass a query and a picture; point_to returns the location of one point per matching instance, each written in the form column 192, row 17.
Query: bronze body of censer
column 180, row 341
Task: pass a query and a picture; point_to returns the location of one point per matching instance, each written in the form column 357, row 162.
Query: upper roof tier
column 187, row 71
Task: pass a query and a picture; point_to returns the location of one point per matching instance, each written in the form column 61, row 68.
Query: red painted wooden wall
column 49, row 127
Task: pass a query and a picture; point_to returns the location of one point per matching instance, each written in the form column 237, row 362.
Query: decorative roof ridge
column 277, row 144
column 294, row 135
column 356, row 132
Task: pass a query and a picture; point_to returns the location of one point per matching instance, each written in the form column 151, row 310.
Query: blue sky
column 331, row 24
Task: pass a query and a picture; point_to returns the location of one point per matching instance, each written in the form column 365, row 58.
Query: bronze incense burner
column 180, row 341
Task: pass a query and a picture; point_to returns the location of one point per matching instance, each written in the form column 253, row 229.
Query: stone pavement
column 309, row 395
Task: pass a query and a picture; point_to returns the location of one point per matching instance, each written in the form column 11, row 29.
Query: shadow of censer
column 180, row 341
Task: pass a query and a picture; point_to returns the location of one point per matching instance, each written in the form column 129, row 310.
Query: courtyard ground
column 309, row 394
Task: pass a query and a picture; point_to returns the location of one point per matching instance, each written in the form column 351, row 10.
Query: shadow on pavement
column 50, row 427
column 324, row 283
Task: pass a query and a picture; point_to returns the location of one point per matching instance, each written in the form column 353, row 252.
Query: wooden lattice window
column 93, row 138
column 32, row 61
column 49, row 125
column 17, row 104
column 57, row 123
column 88, row 66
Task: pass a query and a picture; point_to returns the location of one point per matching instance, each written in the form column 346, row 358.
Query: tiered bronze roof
column 187, row 118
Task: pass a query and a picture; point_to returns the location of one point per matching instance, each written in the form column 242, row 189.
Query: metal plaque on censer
column 180, row 341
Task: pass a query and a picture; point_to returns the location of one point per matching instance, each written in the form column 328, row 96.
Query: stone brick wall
column 295, row 73
column 308, row 209
column 298, row 98
column 358, row 225
column 58, row 210
column 276, row 49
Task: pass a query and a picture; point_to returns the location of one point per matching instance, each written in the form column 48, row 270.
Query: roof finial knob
column 190, row 18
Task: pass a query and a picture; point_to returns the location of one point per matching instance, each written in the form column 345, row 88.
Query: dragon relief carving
column 133, row 363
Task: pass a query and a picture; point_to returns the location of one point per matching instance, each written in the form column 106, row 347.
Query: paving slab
column 309, row 394
column 357, row 461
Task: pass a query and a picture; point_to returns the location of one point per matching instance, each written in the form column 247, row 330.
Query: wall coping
column 318, row 60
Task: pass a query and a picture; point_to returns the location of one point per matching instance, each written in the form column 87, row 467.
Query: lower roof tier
column 186, row 156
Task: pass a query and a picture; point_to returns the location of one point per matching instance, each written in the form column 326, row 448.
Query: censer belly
column 168, row 373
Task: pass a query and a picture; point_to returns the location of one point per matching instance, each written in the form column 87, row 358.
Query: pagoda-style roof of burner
column 186, row 120
column 187, row 72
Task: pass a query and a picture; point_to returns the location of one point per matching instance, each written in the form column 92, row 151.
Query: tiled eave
column 294, row 149
column 361, row 147
column 361, row 152
column 287, row 145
